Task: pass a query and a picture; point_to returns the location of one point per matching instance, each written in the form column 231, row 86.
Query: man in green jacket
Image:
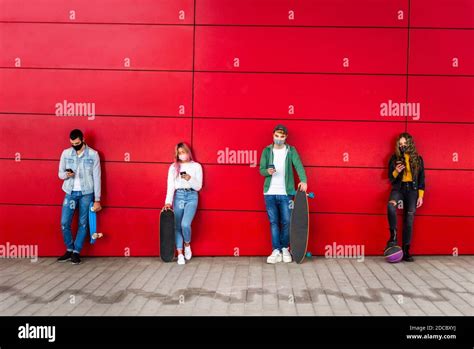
column 276, row 165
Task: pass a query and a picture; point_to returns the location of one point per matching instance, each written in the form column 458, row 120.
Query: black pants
column 408, row 196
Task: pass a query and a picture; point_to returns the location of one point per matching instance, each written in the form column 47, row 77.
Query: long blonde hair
column 176, row 160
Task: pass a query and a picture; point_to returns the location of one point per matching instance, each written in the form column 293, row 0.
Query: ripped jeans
column 72, row 201
column 408, row 196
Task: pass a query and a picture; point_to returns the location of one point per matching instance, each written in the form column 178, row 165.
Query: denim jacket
column 89, row 173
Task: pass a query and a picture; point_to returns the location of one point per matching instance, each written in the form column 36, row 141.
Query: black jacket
column 418, row 178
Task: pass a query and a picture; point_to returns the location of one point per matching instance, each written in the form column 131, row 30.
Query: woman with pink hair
column 184, row 182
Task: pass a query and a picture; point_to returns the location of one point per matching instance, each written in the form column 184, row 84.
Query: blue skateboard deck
column 93, row 225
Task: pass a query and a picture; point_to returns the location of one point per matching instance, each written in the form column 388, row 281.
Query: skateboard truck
column 97, row 235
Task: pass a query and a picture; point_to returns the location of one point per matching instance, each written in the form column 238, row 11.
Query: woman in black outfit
column 407, row 176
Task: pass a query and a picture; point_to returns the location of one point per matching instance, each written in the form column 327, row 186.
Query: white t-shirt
column 193, row 169
column 77, row 180
column 277, row 184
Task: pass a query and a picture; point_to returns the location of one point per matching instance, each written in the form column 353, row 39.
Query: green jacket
column 292, row 158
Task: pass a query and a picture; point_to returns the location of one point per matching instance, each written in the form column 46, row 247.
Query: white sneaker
column 181, row 259
column 187, row 252
column 286, row 255
column 275, row 257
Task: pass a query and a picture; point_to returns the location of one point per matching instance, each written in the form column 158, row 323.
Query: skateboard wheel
column 309, row 255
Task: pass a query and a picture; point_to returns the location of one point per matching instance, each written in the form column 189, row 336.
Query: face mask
column 403, row 149
column 278, row 141
column 77, row 147
column 183, row 157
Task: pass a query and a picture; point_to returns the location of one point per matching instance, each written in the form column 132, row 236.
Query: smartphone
column 271, row 166
column 182, row 173
column 69, row 170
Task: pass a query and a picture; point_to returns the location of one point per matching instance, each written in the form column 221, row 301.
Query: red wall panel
column 445, row 193
column 442, row 13
column 113, row 92
column 446, row 146
column 433, row 52
column 182, row 86
column 449, row 233
column 340, row 97
column 97, row 46
column 443, row 98
column 261, row 49
column 116, row 138
column 101, row 11
column 231, row 232
column 307, row 12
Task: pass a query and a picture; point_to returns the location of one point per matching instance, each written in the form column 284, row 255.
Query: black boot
column 392, row 241
column 407, row 257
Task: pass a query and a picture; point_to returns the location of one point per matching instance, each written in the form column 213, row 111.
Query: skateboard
column 299, row 226
column 167, row 235
column 93, row 225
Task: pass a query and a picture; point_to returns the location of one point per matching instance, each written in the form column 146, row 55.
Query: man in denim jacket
column 79, row 167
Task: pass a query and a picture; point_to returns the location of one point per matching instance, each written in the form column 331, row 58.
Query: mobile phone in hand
column 69, row 170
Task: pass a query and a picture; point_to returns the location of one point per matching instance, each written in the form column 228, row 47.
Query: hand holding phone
column 271, row 169
column 400, row 166
column 185, row 176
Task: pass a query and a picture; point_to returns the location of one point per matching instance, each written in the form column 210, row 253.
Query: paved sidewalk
column 432, row 285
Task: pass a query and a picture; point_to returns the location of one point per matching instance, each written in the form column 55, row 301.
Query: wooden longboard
column 167, row 244
column 299, row 227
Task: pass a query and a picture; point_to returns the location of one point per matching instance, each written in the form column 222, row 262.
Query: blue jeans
column 71, row 201
column 185, row 206
column 278, row 210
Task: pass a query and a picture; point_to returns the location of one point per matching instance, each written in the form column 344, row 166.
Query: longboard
column 93, row 225
column 299, row 226
column 167, row 244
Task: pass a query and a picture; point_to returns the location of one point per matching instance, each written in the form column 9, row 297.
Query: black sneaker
column 75, row 258
column 65, row 257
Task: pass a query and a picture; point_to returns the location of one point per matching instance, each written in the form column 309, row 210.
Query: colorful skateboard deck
column 167, row 240
column 299, row 226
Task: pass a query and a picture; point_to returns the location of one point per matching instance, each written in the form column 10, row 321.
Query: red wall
column 189, row 62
